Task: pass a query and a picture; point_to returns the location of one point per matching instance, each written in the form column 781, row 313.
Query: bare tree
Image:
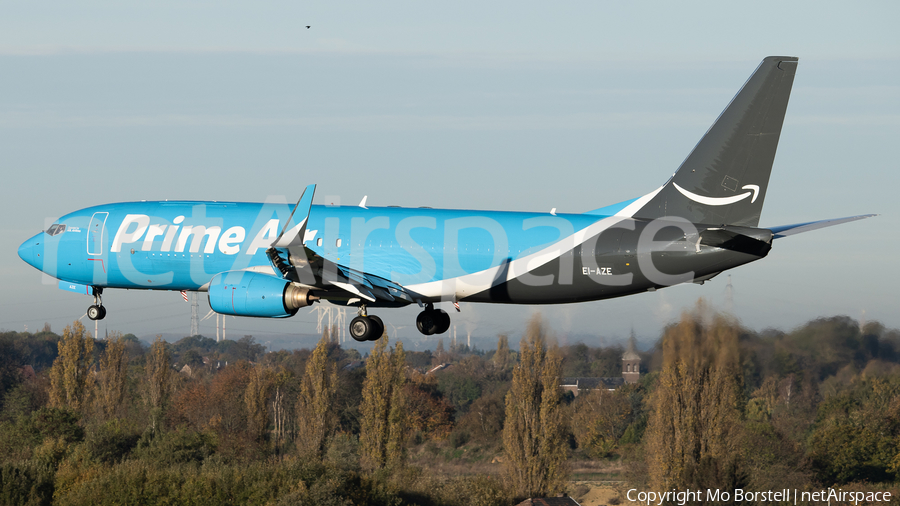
column 280, row 409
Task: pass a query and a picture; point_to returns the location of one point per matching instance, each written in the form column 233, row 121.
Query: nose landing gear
column 432, row 321
column 97, row 311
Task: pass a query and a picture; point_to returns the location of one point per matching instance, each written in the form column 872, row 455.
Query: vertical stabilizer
column 723, row 181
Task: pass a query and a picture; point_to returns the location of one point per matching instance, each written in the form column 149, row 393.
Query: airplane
column 268, row 260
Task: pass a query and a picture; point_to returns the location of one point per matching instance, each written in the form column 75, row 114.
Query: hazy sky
column 502, row 105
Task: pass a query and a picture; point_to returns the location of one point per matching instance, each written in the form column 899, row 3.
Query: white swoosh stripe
column 720, row 201
column 476, row 282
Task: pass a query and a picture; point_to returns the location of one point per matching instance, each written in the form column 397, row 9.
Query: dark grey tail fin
column 723, row 181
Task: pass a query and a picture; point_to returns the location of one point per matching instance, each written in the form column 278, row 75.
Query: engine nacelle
column 247, row 293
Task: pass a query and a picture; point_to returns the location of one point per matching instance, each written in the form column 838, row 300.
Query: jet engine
column 247, row 293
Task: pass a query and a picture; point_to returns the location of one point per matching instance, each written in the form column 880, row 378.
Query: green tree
column 693, row 437
column 857, row 436
column 383, row 416
column 70, row 378
column 112, row 377
column 533, row 435
column 192, row 358
column 159, row 380
column 315, row 413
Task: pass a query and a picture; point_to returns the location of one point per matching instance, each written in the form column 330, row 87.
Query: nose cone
column 31, row 250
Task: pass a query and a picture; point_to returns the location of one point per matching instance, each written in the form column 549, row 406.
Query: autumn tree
column 533, row 434
column 315, row 417
column 256, row 399
column 600, row 420
column 112, row 377
column 693, row 437
column 218, row 405
column 383, row 409
column 159, row 379
column 501, row 356
column 70, row 377
column 428, row 411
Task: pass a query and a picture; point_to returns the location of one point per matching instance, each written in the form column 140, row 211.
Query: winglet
column 285, row 239
column 362, row 203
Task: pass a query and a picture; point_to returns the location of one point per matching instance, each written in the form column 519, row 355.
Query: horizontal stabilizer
column 786, row 230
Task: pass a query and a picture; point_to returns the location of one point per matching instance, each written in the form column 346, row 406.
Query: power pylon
column 195, row 314
column 729, row 296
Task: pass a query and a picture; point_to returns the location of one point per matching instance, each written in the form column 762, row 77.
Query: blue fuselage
column 440, row 254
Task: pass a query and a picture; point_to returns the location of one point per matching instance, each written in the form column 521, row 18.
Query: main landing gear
column 97, row 311
column 432, row 321
column 366, row 327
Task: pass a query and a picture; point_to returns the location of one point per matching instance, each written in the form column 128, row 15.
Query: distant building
column 631, row 373
column 631, row 362
column 575, row 385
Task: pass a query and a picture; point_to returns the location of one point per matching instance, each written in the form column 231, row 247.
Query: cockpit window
column 56, row 229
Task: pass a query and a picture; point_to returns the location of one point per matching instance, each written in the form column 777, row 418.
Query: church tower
column 631, row 362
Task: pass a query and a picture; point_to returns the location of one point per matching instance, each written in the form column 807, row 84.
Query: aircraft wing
column 786, row 230
column 295, row 262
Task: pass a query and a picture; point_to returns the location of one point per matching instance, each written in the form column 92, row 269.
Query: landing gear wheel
column 426, row 322
column 96, row 312
column 442, row 319
column 361, row 328
column 377, row 328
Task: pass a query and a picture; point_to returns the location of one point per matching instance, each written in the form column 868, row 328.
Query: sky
column 520, row 106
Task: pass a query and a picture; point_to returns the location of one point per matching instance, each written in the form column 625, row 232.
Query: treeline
column 114, row 421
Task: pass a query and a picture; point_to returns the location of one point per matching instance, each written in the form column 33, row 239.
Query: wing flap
column 294, row 261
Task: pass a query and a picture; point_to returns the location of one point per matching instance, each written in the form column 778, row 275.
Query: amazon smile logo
column 721, row 201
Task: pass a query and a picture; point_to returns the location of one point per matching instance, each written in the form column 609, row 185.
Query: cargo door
column 96, row 232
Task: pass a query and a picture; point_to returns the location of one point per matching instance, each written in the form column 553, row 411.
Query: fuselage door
column 95, row 233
